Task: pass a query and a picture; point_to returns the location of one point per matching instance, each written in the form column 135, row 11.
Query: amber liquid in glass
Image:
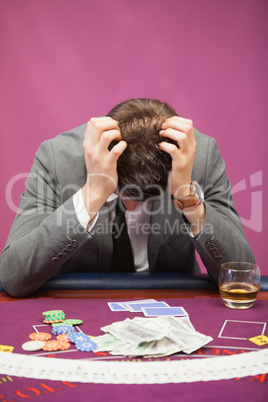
column 239, row 295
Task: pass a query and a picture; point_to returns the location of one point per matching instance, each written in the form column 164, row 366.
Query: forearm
column 31, row 259
column 195, row 216
column 221, row 239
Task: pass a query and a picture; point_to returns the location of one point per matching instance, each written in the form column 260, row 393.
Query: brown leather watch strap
column 190, row 200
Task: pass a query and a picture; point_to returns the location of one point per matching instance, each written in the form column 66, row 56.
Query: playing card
column 150, row 311
column 126, row 303
column 116, row 307
column 121, row 306
column 137, row 307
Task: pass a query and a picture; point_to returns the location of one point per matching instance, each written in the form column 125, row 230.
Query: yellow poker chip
column 40, row 336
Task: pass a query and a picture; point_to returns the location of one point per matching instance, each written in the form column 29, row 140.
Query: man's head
column 142, row 168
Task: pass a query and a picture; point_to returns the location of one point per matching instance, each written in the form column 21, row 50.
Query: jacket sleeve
column 223, row 238
column 45, row 232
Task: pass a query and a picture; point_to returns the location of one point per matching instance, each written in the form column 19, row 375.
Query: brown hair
column 142, row 168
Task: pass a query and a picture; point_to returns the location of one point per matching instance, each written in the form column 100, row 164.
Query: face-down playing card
column 122, row 306
column 153, row 311
column 138, row 307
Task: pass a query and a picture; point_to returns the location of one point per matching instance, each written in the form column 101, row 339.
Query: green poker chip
column 56, row 324
column 53, row 316
column 53, row 312
column 72, row 322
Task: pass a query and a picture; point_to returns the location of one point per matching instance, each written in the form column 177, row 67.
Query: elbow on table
column 11, row 283
column 17, row 278
column 16, row 289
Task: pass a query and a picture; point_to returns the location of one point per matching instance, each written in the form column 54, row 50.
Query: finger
column 171, row 149
column 117, row 150
column 180, row 124
column 178, row 120
column 107, row 137
column 104, row 122
column 180, row 137
column 97, row 125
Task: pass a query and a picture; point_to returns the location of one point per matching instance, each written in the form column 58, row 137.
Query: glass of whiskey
column 239, row 283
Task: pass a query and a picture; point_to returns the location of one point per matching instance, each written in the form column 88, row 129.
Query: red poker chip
column 40, row 336
column 51, row 346
column 51, row 322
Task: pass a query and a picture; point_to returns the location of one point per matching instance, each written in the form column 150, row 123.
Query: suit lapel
column 161, row 208
column 105, row 239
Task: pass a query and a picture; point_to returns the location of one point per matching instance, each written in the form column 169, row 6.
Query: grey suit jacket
column 46, row 236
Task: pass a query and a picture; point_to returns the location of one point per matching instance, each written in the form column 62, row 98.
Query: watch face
column 198, row 190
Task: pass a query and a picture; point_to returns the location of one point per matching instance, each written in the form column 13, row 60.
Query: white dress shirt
column 138, row 226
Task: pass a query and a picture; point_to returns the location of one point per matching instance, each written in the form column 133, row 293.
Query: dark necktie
column 122, row 259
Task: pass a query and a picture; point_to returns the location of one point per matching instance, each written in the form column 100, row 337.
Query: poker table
column 230, row 330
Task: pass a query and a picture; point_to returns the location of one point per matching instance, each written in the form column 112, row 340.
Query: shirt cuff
column 81, row 212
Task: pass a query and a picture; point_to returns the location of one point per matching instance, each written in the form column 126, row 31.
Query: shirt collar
column 112, row 197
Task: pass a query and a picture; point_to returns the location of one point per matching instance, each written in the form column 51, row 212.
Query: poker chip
column 52, row 346
column 40, row 336
column 53, row 316
column 62, row 329
column 32, row 346
column 52, row 321
column 58, row 317
column 72, row 321
column 76, row 337
column 52, row 312
column 63, row 337
column 85, row 346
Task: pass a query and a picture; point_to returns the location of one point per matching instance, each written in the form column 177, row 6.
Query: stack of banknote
column 151, row 337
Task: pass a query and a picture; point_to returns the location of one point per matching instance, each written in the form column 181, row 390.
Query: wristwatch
column 195, row 197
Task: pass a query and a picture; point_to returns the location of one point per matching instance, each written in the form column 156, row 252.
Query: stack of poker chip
column 82, row 342
column 65, row 334
column 53, row 316
column 62, row 329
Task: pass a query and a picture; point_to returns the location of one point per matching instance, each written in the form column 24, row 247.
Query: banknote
column 151, row 337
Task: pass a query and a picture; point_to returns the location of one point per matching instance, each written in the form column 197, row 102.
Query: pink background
column 64, row 61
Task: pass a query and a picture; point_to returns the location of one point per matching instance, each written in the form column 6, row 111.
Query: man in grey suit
column 171, row 179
